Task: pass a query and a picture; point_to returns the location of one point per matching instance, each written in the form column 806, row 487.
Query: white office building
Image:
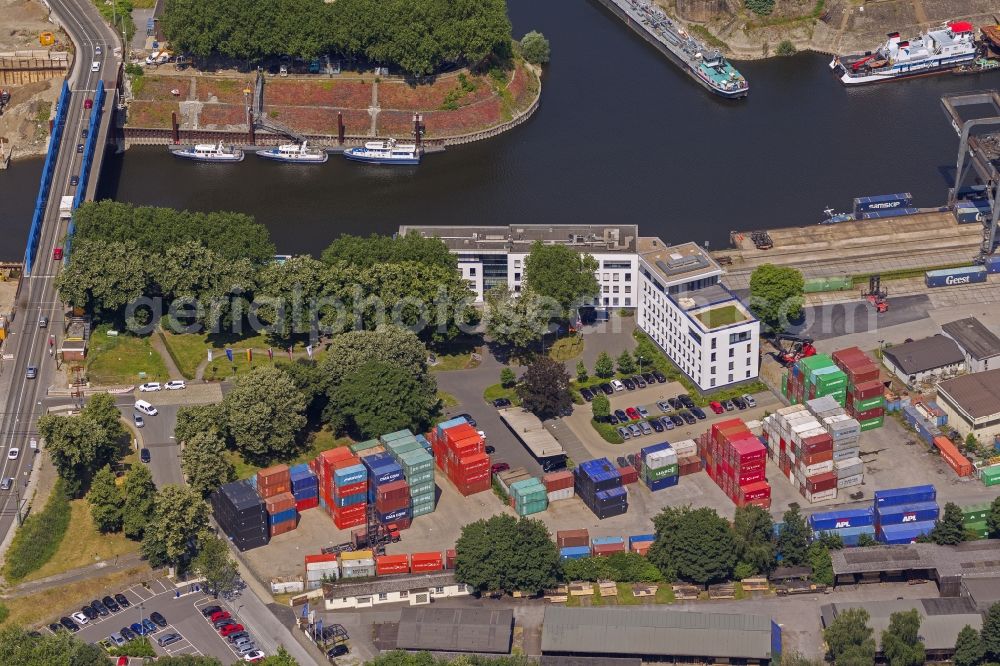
column 702, row 327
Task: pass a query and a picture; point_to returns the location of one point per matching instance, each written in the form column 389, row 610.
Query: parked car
column 657, row 426
column 639, row 381
column 747, row 398
column 168, row 639
column 99, row 607
column 699, row 413
column 80, row 618
column 117, row 639
column 633, row 460
column 607, row 388
column 150, row 386
column 337, row 651
column 221, row 622
column 111, row 604
column 621, row 415
column 728, row 405
column 675, row 403
column 646, row 428
column 499, row 467
column 490, row 450
column 246, row 648
column 230, row 629
column 553, row 464
column 500, row 403
column 610, row 418
column 666, row 423
column 617, row 385
column 128, row 634
column 629, row 384
column 633, row 413
column 686, row 400
column 122, row 600
column 676, row 420
column 587, row 394
column 643, row 412
column 664, row 406
column 624, row 432
column 144, row 455
column 688, row 418
column 90, row 613
column 175, row 385
column 622, row 462
column 660, row 377
column 69, row 624
column 158, row 619
column 209, row 611
column 254, row 656
column 55, row 628
column 467, row 417
column 740, row 405
column 238, row 637
column 716, row 407
column 137, row 629
column 635, row 430
column 219, row 615
column 149, row 626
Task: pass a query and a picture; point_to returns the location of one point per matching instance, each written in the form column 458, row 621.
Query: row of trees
column 418, row 36
column 851, row 642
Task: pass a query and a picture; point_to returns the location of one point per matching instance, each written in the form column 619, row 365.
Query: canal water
column 621, row 135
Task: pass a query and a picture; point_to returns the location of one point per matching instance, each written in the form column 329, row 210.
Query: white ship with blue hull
column 298, row 153
column 388, row 151
column 210, row 152
column 939, row 50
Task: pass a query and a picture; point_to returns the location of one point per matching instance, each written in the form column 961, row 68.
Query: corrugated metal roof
column 456, row 629
column 938, row 628
column 977, row 394
column 529, row 429
column 930, row 353
column 984, row 591
column 345, row 588
column 627, row 631
column 970, row 334
column 979, row 557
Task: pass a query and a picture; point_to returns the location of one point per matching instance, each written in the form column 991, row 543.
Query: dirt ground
column 24, row 123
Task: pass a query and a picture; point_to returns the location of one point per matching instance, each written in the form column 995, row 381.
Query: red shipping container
column 558, row 480
column 870, row 414
column 391, row 564
column 393, row 490
column 310, row 503
column 816, row 458
column 756, row 491
column 628, row 474
column 754, row 466
column 572, row 538
column 351, row 511
column 350, row 461
column 458, row 433
column 867, row 390
column 473, row 487
column 820, row 482
column 350, row 489
column 343, row 522
column 749, row 478
column 474, row 461
column 952, row 456
column 689, row 465
column 333, row 455
column 449, row 558
column 606, row 549
column 817, row 443
column 423, row 562
column 279, row 503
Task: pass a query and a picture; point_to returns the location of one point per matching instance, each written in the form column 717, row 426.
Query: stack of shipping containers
column 604, row 546
column 305, row 487
column 926, row 429
column 321, row 568
column 274, row 485
column 736, row 460
column 343, row 487
column 357, row 564
column 804, row 449
column 385, row 480
column 559, row 485
column 688, row 461
column 848, row 524
column 640, row 543
column 460, row 453
column 865, row 398
column 659, row 467
column 903, row 514
column 974, row 519
column 814, row 377
column 241, row 514
column 599, row 485
column 573, row 544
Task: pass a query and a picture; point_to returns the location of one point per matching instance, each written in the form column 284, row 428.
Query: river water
column 621, row 135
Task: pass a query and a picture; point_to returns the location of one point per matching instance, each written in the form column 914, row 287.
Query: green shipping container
column 870, row 403
column 422, row 510
column 420, row 477
column 651, row 474
column 422, row 500
column 422, row 488
column 871, row 424
column 361, row 446
column 980, row 529
column 399, row 447
column 991, row 475
column 815, row 285
column 975, row 513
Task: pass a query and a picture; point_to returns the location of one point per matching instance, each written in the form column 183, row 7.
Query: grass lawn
column 121, row 358
column 456, row 361
column 496, row 391
column 83, row 544
column 608, row 432
column 724, row 316
column 447, row 399
column 189, row 350
column 321, row 441
column 625, row 596
column 567, row 348
column 664, row 594
column 46, row 606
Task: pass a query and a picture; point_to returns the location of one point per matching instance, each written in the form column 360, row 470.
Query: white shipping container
column 845, row 454
column 661, row 459
column 806, row 426
column 357, row 564
column 687, row 447
column 792, row 409
column 360, row 572
column 818, row 431
column 332, row 564
column 286, row 586
column 821, row 496
column 853, row 470
column 824, row 467
column 756, row 427
column 562, row 494
column 851, row 481
column 320, row 574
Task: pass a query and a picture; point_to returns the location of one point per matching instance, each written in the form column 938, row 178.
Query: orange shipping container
column 951, row 455
column 280, row 502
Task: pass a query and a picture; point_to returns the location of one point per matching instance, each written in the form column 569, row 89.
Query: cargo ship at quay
column 705, row 65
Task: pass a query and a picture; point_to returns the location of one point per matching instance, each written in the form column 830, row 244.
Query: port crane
column 799, row 348
column 876, row 294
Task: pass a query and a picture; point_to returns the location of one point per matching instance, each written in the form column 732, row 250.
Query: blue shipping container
column 908, row 495
column 574, row 552
column 665, row 482
column 655, row 448
column 908, row 533
column 298, row 470
column 387, row 474
column 376, row 459
column 282, row 516
column 892, row 212
column 993, row 263
column 603, row 541
column 948, row 277
column 835, row 520
column 350, row 500
column 346, row 476
column 305, row 493
column 398, row 514
column 899, row 514
column 882, row 202
column 640, row 538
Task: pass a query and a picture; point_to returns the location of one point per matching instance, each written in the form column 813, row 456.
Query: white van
column 95, row 66
column 145, row 408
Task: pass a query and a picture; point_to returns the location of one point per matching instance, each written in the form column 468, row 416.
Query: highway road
column 27, row 345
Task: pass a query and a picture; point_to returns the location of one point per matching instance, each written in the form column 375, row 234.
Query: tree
column 18, row 648
column 753, row 530
column 560, row 273
column 785, row 48
column 695, row 545
column 535, row 48
column 179, row 516
column 626, row 364
column 308, row 378
column 619, row 567
column 850, row 636
column 604, row 367
column 387, row 344
column 503, row 554
column 865, row 540
column 793, row 540
column 969, row 650
column 993, row 518
column 376, row 249
column 949, row 529
column 971, row 443
column 818, row 557
column 139, row 492
column 204, row 462
column 991, row 633
column 105, row 501
column 103, row 277
column 776, row 295
column 581, row 372
column 544, row 388
column 601, row 406
column 515, row 321
column 507, row 378
column 280, row 658
column 195, row 419
column 215, row 565
column 380, row 397
column 760, row 7
column 901, row 643
column 264, row 412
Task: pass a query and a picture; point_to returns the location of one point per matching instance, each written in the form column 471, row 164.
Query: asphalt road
column 27, row 345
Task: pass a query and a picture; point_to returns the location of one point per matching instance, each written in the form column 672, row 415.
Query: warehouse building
column 659, row 635
column 451, row 630
column 413, row 589
column 972, row 403
column 946, row 565
column 979, row 344
column 940, row 620
column 983, row 591
column 924, row 361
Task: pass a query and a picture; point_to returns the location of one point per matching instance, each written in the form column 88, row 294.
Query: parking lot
column 198, row 637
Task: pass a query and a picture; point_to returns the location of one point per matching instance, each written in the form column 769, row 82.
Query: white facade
column 414, row 597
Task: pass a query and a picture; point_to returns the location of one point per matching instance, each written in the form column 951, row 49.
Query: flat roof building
column 531, row 431
column 413, row 589
column 979, row 344
column 983, row 591
column 478, row 630
column 659, row 634
column 972, row 403
column 925, row 360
